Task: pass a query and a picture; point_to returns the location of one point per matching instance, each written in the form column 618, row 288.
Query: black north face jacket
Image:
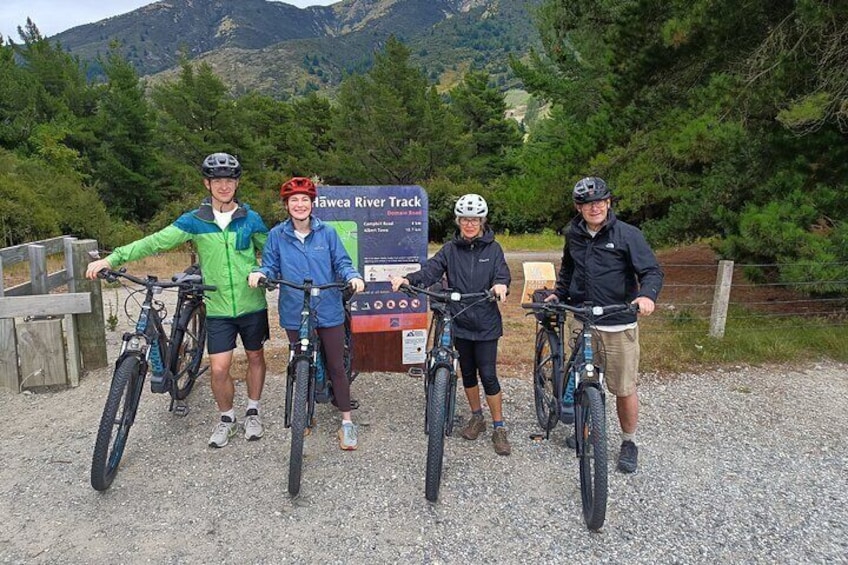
column 469, row 266
column 614, row 267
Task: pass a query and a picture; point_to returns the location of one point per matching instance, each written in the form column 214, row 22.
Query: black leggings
column 332, row 342
column 479, row 357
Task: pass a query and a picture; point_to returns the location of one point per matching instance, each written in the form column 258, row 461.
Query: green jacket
column 227, row 256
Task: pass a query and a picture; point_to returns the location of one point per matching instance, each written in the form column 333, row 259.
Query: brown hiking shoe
column 501, row 443
column 474, row 427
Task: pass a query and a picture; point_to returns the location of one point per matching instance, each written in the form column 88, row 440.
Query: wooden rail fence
column 49, row 338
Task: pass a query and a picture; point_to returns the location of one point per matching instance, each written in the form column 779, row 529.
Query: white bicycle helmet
column 471, row 206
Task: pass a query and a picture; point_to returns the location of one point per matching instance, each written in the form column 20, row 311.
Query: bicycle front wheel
column 547, row 367
column 436, row 408
column 299, row 417
column 591, row 436
column 187, row 349
column 116, row 421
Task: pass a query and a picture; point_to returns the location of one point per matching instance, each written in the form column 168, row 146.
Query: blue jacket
column 322, row 258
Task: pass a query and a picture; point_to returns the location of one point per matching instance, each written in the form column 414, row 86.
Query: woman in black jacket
column 473, row 262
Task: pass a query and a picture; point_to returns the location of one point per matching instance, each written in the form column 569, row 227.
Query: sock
column 347, row 422
column 478, row 412
column 253, row 405
column 497, row 424
column 231, row 414
column 628, row 437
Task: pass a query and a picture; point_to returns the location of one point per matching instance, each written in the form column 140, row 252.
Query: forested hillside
column 710, row 119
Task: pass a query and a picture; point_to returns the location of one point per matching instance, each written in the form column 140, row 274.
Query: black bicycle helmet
column 590, row 189
column 221, row 166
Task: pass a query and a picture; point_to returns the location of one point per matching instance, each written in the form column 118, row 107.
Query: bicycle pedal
column 354, row 404
column 181, row 409
column 415, row 372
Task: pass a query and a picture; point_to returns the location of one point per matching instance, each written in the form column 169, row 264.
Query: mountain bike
column 440, row 380
column 584, row 371
column 174, row 361
column 307, row 382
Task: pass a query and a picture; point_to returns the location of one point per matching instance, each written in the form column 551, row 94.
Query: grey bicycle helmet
column 590, row 189
column 471, row 206
column 221, row 166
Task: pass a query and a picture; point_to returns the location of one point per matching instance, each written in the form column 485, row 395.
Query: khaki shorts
column 621, row 362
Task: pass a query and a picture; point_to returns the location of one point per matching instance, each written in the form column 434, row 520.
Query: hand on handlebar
column 645, row 305
column 397, row 281
column 95, row 267
column 552, row 298
column 500, row 291
column 253, row 279
column 358, row 285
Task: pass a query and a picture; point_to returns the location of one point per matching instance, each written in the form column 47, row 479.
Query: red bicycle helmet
column 298, row 185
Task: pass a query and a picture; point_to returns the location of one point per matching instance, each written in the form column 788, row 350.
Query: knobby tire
column 118, row 416
column 591, row 431
column 436, row 413
column 299, row 418
column 546, row 368
column 187, row 349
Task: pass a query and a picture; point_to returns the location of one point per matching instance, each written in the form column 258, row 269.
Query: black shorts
column 221, row 332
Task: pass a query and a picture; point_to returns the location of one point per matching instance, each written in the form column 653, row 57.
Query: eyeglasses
column 470, row 221
column 599, row 204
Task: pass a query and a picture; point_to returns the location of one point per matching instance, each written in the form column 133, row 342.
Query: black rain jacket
column 614, row 267
column 469, row 266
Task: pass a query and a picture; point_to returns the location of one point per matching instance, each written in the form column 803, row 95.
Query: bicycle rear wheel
column 187, row 349
column 591, row 437
column 116, row 421
column 436, row 407
column 546, row 368
column 299, row 417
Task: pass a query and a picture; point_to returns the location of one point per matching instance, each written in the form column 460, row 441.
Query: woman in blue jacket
column 473, row 262
column 304, row 247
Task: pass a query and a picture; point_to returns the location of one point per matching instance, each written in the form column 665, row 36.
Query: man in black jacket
column 607, row 261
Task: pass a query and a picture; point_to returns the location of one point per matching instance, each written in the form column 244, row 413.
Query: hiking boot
column 627, row 457
column 475, row 426
column 253, row 429
column 347, row 436
column 501, row 443
column 225, row 429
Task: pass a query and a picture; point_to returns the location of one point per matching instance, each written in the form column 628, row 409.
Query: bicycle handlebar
column 271, row 284
column 446, row 297
column 187, row 279
column 590, row 311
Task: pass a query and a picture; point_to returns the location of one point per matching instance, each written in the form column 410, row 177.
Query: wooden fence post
column 721, row 298
column 71, row 332
column 9, row 376
column 90, row 327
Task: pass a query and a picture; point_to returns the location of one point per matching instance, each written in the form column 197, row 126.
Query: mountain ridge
column 309, row 48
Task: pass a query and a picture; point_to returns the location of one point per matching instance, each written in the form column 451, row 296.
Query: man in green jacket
column 227, row 235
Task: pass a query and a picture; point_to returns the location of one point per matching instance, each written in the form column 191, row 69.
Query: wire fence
column 688, row 301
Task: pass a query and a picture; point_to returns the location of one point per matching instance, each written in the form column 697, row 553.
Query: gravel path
column 741, row 465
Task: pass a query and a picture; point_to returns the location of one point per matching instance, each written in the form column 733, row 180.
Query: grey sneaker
column 627, row 458
column 475, row 426
column 225, row 429
column 571, row 441
column 347, row 436
column 253, row 429
column 501, row 443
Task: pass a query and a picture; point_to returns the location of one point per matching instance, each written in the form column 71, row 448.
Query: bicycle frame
column 308, row 346
column 149, row 341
